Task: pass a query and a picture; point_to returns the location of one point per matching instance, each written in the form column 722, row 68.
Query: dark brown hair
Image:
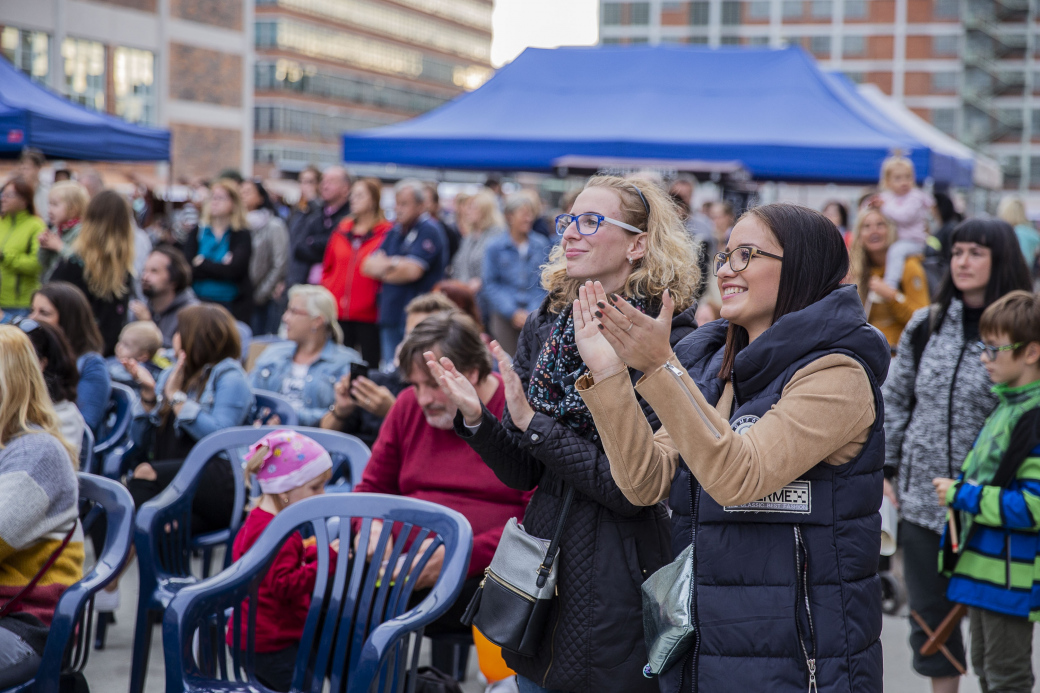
column 1015, row 314
column 815, row 263
column 208, row 336
column 456, row 335
column 75, row 316
column 179, row 269
column 24, row 191
column 60, row 373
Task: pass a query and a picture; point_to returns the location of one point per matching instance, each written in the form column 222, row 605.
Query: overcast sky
column 518, row 24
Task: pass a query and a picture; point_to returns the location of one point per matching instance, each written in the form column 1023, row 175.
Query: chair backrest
column 270, row 404
column 86, row 452
column 116, row 426
column 69, row 639
column 359, row 629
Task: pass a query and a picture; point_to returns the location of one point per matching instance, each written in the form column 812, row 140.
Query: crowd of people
column 735, row 393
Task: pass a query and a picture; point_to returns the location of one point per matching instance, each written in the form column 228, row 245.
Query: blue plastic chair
column 68, row 640
column 269, row 404
column 359, row 631
column 115, row 430
column 86, row 452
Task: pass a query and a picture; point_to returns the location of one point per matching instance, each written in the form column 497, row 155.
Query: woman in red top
column 356, row 295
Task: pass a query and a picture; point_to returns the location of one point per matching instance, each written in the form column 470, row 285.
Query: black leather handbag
column 511, row 606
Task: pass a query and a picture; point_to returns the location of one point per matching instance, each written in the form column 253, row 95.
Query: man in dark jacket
column 314, row 230
column 411, row 260
column 166, row 284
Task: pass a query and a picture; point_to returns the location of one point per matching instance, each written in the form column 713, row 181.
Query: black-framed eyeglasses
column 589, row 222
column 991, row 352
column 739, row 257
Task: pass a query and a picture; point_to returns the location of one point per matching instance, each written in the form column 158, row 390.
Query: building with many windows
column 325, row 66
column 970, row 67
column 179, row 64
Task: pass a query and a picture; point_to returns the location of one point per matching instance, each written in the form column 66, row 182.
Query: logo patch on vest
column 745, row 422
column 796, row 497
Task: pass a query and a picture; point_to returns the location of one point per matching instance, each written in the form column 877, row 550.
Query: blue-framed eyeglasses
column 992, row 352
column 589, row 223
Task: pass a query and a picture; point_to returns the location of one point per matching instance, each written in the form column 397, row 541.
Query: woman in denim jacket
column 305, row 369
column 205, row 391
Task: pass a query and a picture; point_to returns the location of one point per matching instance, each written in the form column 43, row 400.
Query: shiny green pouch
column 668, row 613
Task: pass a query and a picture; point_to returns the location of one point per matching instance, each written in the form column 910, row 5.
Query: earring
column 630, row 260
column 285, row 500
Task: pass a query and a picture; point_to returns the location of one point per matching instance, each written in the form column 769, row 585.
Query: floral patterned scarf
column 557, row 369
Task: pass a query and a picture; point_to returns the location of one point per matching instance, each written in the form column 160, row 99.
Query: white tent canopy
column 987, row 173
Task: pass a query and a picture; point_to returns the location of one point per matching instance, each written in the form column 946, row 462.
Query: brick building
column 326, row 66
column 179, row 64
column 970, row 67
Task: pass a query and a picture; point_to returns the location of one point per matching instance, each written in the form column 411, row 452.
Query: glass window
column 699, row 13
column 1034, row 169
column 945, row 45
column 639, row 13
column 758, row 9
column 792, row 40
column 27, row 50
column 730, row 13
column 671, row 6
column 820, row 45
column 1036, row 122
column 699, row 40
column 758, row 41
column 821, row 9
column 133, row 80
column 946, row 9
column 611, row 13
column 945, row 119
column 792, row 9
column 945, row 81
column 855, row 9
column 729, row 40
column 638, row 40
column 84, row 72
column 610, row 40
column 853, row 46
column 856, row 77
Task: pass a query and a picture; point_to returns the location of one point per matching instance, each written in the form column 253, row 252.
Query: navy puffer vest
column 786, row 587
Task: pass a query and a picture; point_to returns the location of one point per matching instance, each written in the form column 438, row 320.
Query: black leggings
column 214, row 497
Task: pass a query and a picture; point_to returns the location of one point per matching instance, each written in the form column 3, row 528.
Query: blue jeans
column 389, row 337
column 529, row 686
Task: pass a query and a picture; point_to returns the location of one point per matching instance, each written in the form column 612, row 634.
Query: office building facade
column 326, row 66
column 970, row 67
column 179, row 64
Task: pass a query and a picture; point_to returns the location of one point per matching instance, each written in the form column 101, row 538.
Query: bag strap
column 39, row 574
column 550, row 554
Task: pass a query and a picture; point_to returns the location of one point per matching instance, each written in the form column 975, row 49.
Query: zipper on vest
column 1007, row 566
column 694, row 496
column 677, row 374
column 949, row 411
column 801, row 559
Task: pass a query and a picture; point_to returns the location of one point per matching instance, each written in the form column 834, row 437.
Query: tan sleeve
column 641, row 463
column 825, row 412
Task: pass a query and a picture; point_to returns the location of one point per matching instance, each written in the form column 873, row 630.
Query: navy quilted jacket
column 786, row 587
column 594, row 640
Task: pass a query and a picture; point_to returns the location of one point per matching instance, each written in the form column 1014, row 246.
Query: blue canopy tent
column 773, row 110
column 948, row 165
column 33, row 116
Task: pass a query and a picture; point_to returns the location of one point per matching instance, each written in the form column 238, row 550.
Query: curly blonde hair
column 670, row 260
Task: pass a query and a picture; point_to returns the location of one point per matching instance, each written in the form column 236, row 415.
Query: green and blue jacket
column 998, row 568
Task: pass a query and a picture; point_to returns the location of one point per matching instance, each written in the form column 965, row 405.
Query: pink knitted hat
column 292, row 460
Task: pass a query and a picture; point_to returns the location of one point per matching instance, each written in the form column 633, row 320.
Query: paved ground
column 108, row 671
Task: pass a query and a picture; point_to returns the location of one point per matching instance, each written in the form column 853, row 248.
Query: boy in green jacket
column 997, row 501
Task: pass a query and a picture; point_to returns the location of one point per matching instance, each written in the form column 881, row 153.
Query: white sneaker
column 106, row 601
column 508, row 685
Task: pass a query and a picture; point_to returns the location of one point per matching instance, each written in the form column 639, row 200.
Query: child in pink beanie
column 289, row 467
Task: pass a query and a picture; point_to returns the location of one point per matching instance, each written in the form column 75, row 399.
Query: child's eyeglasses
column 991, row 352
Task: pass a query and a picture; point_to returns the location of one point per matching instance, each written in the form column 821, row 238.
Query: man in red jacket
column 418, row 454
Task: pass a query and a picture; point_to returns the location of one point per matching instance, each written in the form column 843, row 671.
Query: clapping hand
column 520, row 410
column 141, row 376
column 642, row 342
column 456, row 386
